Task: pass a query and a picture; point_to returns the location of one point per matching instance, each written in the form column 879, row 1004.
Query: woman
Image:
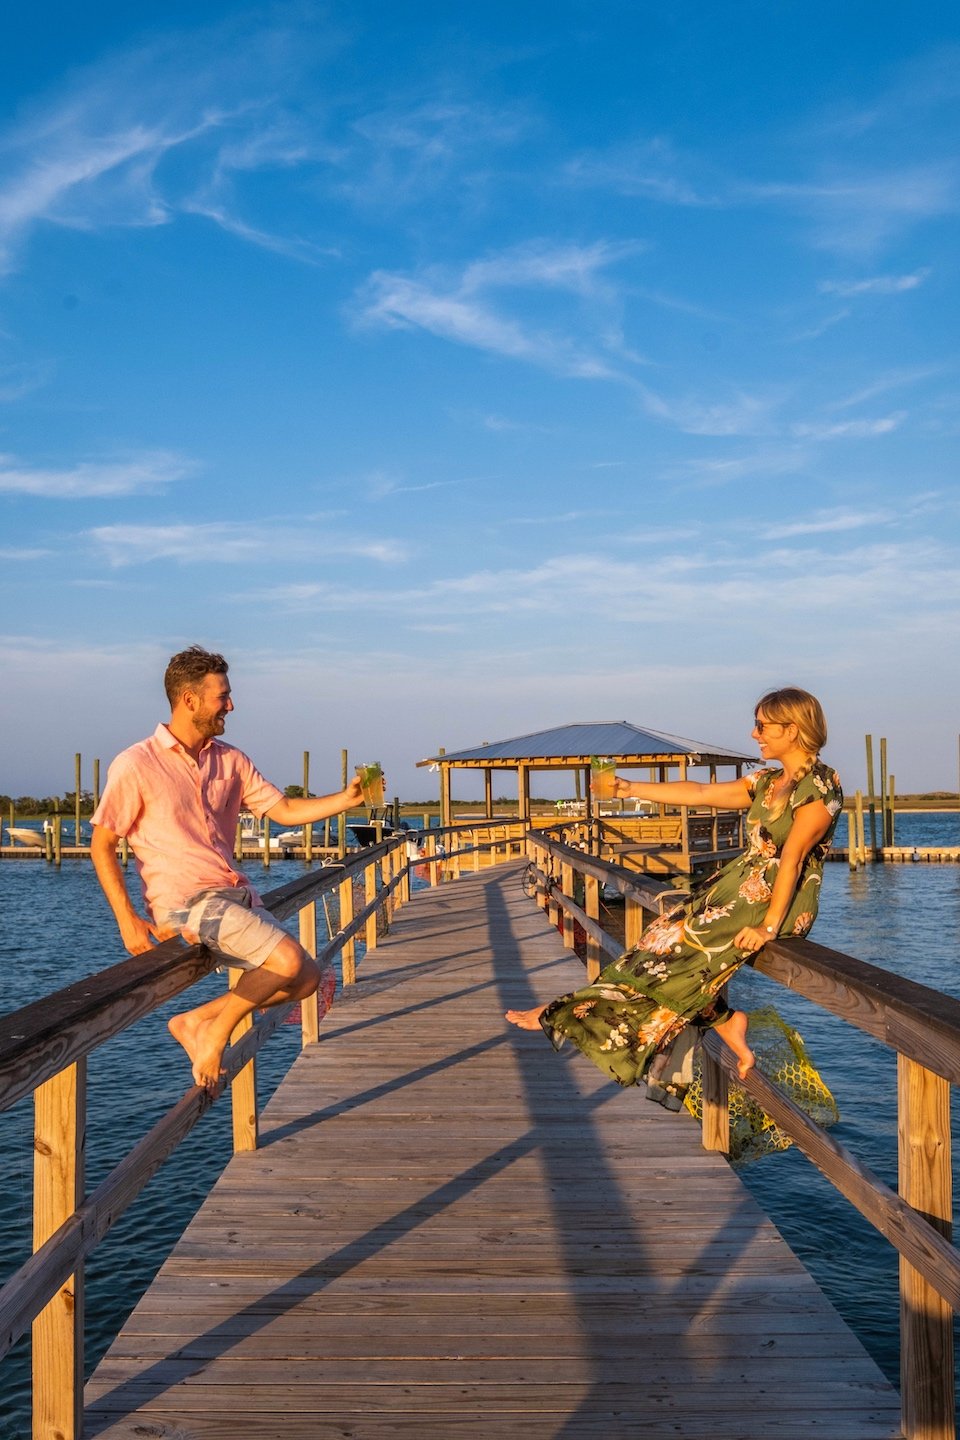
column 638, row 1006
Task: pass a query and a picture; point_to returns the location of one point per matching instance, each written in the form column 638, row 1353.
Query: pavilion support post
column 523, row 792
column 684, row 824
column 488, row 793
column 446, row 808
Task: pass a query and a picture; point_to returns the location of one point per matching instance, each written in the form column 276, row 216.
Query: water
column 56, row 928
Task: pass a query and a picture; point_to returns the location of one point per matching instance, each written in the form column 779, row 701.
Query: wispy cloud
column 857, row 212
column 875, row 285
column 883, row 384
column 714, row 470
column 26, row 552
column 233, row 543
column 828, row 522
column 459, row 308
column 95, row 479
column 439, row 147
column 650, row 169
column 19, row 380
column 160, row 130
column 850, row 429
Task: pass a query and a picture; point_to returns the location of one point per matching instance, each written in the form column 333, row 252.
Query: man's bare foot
column 733, row 1032
column 203, row 1050
column 526, row 1019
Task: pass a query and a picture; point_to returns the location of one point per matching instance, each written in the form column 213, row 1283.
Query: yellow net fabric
column 783, row 1058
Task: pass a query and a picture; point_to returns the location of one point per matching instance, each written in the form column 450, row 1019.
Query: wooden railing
column 44, row 1049
column 665, row 845
column 921, row 1025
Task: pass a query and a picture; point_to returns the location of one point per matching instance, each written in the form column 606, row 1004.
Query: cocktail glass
column 602, row 773
column 371, row 783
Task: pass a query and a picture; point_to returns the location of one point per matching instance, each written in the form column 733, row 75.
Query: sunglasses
column 761, row 725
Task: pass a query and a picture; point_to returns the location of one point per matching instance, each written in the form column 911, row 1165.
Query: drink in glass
column 602, row 774
column 371, row 783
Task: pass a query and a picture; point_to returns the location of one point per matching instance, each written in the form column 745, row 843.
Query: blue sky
column 465, row 369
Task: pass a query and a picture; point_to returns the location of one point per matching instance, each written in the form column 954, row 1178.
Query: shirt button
column 678, row 949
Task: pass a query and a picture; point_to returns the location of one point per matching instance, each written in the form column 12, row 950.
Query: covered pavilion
column 569, row 747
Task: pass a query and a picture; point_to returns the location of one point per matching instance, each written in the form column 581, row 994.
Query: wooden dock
column 451, row 1230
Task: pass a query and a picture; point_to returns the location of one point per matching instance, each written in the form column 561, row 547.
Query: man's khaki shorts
column 227, row 921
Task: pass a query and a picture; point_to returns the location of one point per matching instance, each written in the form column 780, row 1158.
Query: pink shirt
column 180, row 815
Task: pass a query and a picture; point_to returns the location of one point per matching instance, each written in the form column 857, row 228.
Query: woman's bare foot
column 203, row 1048
column 733, row 1032
column 526, row 1019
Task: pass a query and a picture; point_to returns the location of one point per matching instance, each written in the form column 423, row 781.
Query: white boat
column 21, row 835
column 252, row 833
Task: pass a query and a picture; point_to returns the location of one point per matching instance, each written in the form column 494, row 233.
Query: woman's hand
column 751, row 938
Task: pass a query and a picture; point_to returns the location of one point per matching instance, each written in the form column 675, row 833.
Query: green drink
column 371, row 783
column 602, row 774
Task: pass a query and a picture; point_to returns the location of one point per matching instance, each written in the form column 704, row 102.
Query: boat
column 23, row 835
column 252, row 833
column 365, row 831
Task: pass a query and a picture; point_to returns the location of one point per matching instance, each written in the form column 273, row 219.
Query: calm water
column 55, row 928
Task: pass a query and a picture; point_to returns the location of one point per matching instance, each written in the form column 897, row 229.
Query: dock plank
column 450, row 1229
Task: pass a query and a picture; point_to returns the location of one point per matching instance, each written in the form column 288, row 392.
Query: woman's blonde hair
column 798, row 707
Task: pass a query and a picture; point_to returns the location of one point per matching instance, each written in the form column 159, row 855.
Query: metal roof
column 576, row 743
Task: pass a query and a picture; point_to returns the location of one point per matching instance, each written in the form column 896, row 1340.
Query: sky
column 464, row 369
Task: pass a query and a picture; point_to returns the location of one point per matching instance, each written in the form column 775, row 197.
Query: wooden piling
column 308, row 827
column 871, row 798
column 342, row 819
column 96, row 783
column 77, row 772
column 883, row 792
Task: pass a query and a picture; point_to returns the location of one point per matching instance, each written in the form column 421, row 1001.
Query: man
column 176, row 797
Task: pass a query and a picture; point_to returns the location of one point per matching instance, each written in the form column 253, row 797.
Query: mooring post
column 308, row 826
column 342, row 819
column 871, row 799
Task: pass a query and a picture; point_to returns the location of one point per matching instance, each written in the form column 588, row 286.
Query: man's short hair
column 187, row 669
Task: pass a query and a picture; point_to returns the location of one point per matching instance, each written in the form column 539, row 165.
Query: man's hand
column 139, row 936
column 353, row 795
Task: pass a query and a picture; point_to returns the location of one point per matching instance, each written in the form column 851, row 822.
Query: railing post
column 591, row 905
column 60, row 1117
column 401, row 857
column 243, row 1089
column 553, row 909
column 309, row 1011
column 432, row 859
column 475, row 857
column 926, row 1330
column 370, row 893
column 566, row 885
column 633, row 926
column 715, row 1094
column 348, row 955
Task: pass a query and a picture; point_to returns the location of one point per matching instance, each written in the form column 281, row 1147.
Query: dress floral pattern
column 639, row 1005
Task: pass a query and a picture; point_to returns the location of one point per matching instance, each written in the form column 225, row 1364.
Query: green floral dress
column 639, row 1005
